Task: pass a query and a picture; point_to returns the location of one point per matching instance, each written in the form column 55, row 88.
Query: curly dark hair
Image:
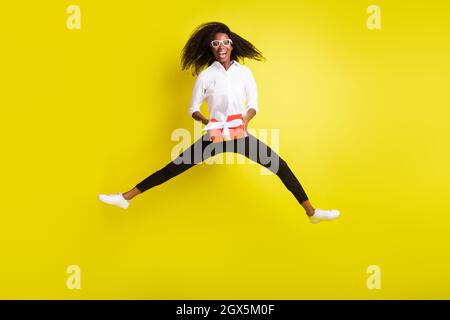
column 197, row 54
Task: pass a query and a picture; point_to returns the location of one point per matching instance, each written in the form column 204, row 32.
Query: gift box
column 226, row 128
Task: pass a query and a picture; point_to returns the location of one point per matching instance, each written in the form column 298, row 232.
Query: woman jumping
column 231, row 93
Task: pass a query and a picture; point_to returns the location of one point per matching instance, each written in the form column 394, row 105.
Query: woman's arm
column 248, row 116
column 197, row 115
column 251, row 91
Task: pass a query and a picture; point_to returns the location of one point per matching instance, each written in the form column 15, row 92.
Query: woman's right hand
column 199, row 117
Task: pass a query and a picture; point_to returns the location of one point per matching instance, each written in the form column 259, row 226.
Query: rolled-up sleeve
column 198, row 95
column 251, row 91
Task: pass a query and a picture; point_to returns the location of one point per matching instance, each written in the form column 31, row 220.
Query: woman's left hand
column 245, row 124
column 247, row 117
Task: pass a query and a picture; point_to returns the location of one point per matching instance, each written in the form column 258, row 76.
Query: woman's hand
column 199, row 117
column 248, row 116
column 245, row 124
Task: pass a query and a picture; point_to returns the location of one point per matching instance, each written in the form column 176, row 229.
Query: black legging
column 203, row 148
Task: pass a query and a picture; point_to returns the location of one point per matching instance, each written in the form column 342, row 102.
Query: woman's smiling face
column 222, row 53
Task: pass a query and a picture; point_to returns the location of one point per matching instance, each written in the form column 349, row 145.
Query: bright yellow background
column 363, row 118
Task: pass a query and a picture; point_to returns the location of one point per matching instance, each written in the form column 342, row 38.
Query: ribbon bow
column 222, row 123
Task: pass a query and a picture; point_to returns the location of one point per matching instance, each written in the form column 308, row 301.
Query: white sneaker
column 115, row 199
column 321, row 215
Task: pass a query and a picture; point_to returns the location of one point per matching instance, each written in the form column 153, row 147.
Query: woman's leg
column 187, row 159
column 256, row 150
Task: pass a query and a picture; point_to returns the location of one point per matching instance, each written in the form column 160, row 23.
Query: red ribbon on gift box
column 229, row 128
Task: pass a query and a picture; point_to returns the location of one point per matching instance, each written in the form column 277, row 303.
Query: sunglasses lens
column 227, row 42
column 215, row 43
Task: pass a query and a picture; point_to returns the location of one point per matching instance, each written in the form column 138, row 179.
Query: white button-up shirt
column 229, row 91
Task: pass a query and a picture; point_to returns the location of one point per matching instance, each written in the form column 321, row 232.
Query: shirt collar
column 217, row 64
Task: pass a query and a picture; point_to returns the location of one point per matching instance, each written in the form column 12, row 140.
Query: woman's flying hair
column 197, row 54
